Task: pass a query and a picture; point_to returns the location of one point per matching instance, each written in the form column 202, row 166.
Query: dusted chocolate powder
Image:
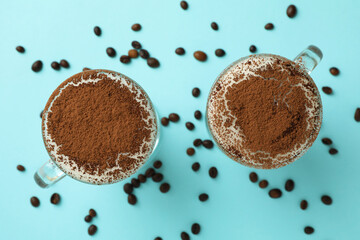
column 99, row 126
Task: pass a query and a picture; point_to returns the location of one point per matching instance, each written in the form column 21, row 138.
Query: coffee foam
column 71, row 168
column 230, row 136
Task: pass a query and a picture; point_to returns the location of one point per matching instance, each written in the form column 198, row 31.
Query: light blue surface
column 237, row 209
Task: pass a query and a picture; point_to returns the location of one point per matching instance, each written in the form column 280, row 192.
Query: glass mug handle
column 309, row 58
column 48, row 174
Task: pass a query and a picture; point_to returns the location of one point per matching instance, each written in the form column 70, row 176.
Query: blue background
column 237, row 208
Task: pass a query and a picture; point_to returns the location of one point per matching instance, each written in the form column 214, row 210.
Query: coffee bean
column 173, row 117
column 142, row 178
column 133, row 53
column 200, row 56
column 333, row 151
column 20, row 49
column 92, row 212
column 214, row 26
column 64, row 63
column 135, row 182
column 195, row 228
column 20, row 168
column 190, row 151
column 203, row 197
column 35, row 202
column 190, row 126
column 125, row 59
column 291, row 11
column 55, row 198
column 157, row 164
column 253, row 177
column 334, row 71
column 97, row 31
column 184, row 236
column 219, row 52
column 195, row 167
column 195, row 92
column 150, row 172
column 164, row 187
column 180, row 51
column 309, row 230
column 269, row 26
column 88, row 218
column 55, row 65
column 326, row 141
column 357, row 115
column 208, row 144
column 158, row 177
column 327, row 90
column 86, row 69
column 144, row 54
column 111, row 52
column 197, row 142
column 37, row 66
column 136, row 44
column 41, row 113
column 275, row 193
column 92, row 229
column 128, row 188
column 184, row 5
column 132, row 199
column 303, row 204
column 153, row 62
column 289, row 185
column 326, row 199
column 158, row 238
column 252, row 49
column 164, row 121
column 213, row 172
column 136, row 27
column 263, row 184
column 197, row 114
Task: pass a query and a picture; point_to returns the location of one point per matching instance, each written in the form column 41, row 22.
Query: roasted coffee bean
column 158, row 177
column 136, row 44
column 252, row 49
column 253, row 177
column 326, row 141
column 263, row 184
column 219, row 52
column 173, row 117
column 197, row 114
column 164, row 187
column 203, row 197
column 275, row 193
column 20, row 168
column 92, row 229
column 37, row 66
column 184, row 236
column 97, row 31
column 309, row 230
column 20, row 49
column 153, row 62
column 128, row 188
column 195, row 228
column 136, row 27
column 303, row 204
column 180, row 51
column 88, row 218
column 157, row 164
column 184, row 5
column 164, row 121
column 333, row 151
column 86, row 69
column 135, row 182
column 92, row 212
column 142, row 178
column 64, row 63
column 269, row 26
column 357, row 115
column 197, row 142
column 144, row 54
column 334, row 71
column 150, row 172
column 55, row 65
column 214, row 26
column 132, row 199
column 195, row 92
column 35, row 202
column 213, row 172
column 41, row 113
column 208, row 144
column 133, row 53
column 326, row 199
column 291, row 11
column 55, row 198
column 190, row 126
column 200, row 56
column 289, row 185
column 190, row 151
column 125, row 59
column 327, row 90
column 195, row 167
column 111, row 52
column 158, row 238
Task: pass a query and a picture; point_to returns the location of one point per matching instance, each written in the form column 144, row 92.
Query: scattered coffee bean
column 20, row 49
column 92, row 229
column 253, row 177
column 180, row 51
column 153, row 62
column 86, row 69
column 37, row 66
column 164, row 121
column 263, row 184
column 327, row 90
column 173, row 117
column 135, row 182
column 150, row 172
column 133, row 53
column 275, row 193
column 132, row 199
column 158, row 238
column 213, row 172
column 334, row 71
column 291, row 11
column 326, row 200
column 200, row 56
column 55, row 65
column 142, row 178
column 208, row 144
column 195, row 167
column 303, row 204
column 158, row 177
column 111, row 52
column 326, row 141
column 125, row 59
column 184, row 236
column 190, row 126
column 357, row 115
column 184, row 5
column 92, row 212
column 309, row 230
column 35, row 202
column 197, row 114
column 128, row 188
column 219, row 52
column 144, row 54
column 269, row 26
column 20, row 168
column 97, row 31
column 252, row 49
column 190, row 151
column 157, row 164
column 64, row 63
column 289, row 185
column 203, row 197
column 197, row 142
column 88, row 218
column 41, row 113
column 214, row 26
column 136, row 27
column 195, row 92
column 55, row 198
column 164, row 187
column 195, row 228
column 136, row 44
column 333, row 151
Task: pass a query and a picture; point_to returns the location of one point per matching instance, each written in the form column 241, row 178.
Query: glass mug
column 230, row 139
column 55, row 169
